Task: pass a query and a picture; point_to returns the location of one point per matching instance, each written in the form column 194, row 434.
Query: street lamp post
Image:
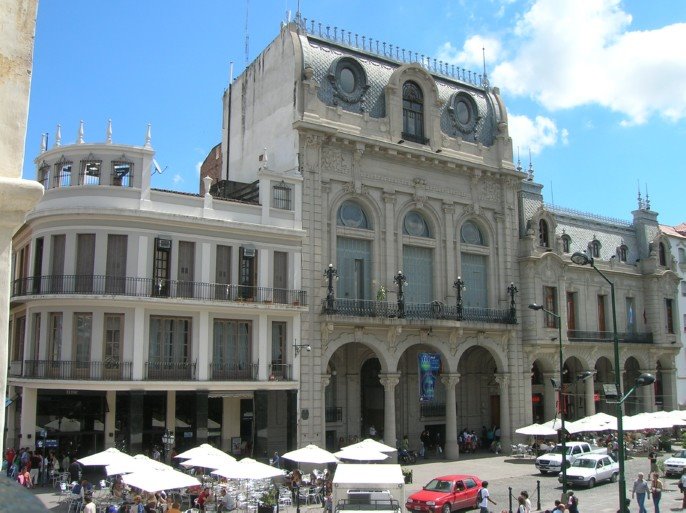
column 400, row 280
column 580, row 258
column 168, row 441
column 330, row 274
column 534, row 306
column 459, row 285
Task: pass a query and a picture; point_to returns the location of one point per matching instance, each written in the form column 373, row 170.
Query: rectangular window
column 112, row 349
column 602, row 322
column 122, row 174
column 161, row 267
column 222, row 273
column 418, row 262
column 115, row 266
column 247, row 272
column 281, row 196
column 35, row 337
column 669, row 315
column 683, row 288
column 62, row 174
column 232, row 358
column 44, row 175
column 186, row 269
column 280, row 277
column 90, row 172
column 170, row 340
column 571, row 311
column 54, row 350
column 630, row 315
column 19, row 334
column 550, row 304
column 85, row 262
column 58, row 243
column 278, row 342
column 83, row 331
column 354, row 257
column 37, row 265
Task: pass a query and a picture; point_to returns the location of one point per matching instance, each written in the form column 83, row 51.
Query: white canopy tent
column 311, row 454
column 109, row 456
column 154, row 481
column 248, row 468
column 536, row 430
column 370, row 444
column 350, row 476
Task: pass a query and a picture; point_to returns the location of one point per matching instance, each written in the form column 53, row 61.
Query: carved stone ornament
column 392, row 335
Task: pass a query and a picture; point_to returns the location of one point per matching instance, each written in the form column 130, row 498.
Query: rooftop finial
column 641, row 205
column 58, row 136
column 109, row 131
column 531, row 168
column 485, row 79
column 647, row 203
column 80, row 137
column 148, row 136
column 519, row 162
column 43, row 143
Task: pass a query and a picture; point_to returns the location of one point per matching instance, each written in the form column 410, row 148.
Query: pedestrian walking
column 682, row 487
column 652, row 458
column 483, row 498
column 656, row 491
column 640, row 490
column 572, row 503
column 527, row 501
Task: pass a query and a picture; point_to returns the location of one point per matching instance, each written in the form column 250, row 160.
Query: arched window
column 622, row 252
column 662, row 254
column 682, row 256
column 543, row 239
column 566, row 243
column 418, row 259
column 413, row 113
column 595, row 248
column 354, row 253
column 474, row 271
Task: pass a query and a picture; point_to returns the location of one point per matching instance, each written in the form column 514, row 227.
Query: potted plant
column 268, row 502
column 407, row 474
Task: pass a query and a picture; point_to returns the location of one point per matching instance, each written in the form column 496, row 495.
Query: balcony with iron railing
column 334, row 414
column 280, row 372
column 608, row 336
column 108, row 370
column 233, row 371
column 149, row 287
column 166, row 370
column 421, row 311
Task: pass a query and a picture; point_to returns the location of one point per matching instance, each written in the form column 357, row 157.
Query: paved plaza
column 503, row 473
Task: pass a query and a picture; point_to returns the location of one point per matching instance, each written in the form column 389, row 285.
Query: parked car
column 591, row 469
column 445, row 494
column 552, row 461
column 675, row 464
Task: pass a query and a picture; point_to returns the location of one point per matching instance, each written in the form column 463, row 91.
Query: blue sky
column 596, row 89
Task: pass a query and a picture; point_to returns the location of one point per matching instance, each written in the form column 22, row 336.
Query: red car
column 445, row 494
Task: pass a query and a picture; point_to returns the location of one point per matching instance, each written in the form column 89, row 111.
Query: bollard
column 510, row 498
column 538, row 494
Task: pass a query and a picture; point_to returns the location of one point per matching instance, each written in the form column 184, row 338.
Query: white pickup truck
column 552, row 461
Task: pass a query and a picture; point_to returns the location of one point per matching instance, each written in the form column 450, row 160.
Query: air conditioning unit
column 248, row 252
column 164, row 243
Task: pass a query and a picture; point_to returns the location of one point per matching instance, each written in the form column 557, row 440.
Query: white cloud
column 471, row 54
column 570, row 54
column 177, row 179
column 535, row 134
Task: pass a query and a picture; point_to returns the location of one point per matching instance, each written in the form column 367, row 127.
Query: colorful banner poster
column 429, row 367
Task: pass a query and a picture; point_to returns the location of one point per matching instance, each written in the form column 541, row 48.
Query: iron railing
column 163, row 370
column 280, row 372
column 149, row 287
column 431, row 409
column 608, row 336
column 233, row 371
column 433, row 310
column 334, row 414
column 109, row 370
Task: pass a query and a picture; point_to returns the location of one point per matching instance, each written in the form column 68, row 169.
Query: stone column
column 389, row 382
column 505, row 421
column 110, row 418
column 668, row 377
column 589, row 393
column 452, row 451
column 353, row 407
column 647, row 393
column 325, row 379
column 29, row 400
column 17, row 196
column 549, row 396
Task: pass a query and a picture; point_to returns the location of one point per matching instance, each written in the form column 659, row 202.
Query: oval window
column 463, row 112
column 347, row 80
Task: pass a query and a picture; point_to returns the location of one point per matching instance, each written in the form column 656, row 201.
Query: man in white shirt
column 485, row 498
column 89, row 505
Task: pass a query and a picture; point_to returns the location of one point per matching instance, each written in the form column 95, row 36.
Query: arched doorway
column 371, row 398
column 604, row 375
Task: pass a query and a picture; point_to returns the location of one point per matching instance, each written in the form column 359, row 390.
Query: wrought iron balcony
column 608, row 336
column 433, row 310
column 163, row 370
column 233, row 371
column 334, row 414
column 280, row 372
column 148, row 287
column 109, row 370
column 432, row 409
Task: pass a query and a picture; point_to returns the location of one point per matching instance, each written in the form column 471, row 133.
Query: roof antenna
column 531, row 168
column 519, row 162
column 247, row 36
column 483, row 51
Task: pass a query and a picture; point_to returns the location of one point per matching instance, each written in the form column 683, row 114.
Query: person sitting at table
column 174, row 507
column 204, row 496
column 226, row 502
column 117, row 489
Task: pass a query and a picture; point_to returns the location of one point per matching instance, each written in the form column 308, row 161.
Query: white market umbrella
column 357, row 454
column 592, row 423
column 642, row 421
column 247, row 468
column 211, row 461
column 139, row 463
column 536, row 430
column 371, row 444
column 154, row 481
column 311, row 454
column 64, row 424
column 109, row 456
column 201, row 450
